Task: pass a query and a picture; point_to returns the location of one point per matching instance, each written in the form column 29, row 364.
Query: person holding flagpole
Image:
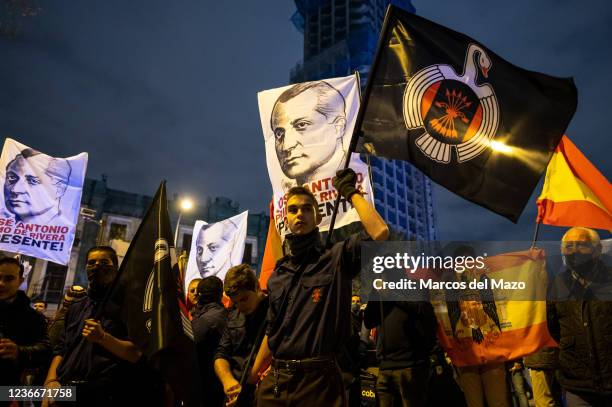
column 242, row 335
column 310, row 299
column 95, row 355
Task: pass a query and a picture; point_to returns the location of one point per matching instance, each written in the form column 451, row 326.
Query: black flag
column 471, row 121
column 151, row 306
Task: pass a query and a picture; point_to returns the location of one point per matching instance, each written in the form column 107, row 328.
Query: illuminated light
column 501, row 147
column 186, row 204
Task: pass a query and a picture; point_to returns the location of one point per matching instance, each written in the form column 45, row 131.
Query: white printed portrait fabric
column 215, row 247
column 42, row 197
column 307, row 130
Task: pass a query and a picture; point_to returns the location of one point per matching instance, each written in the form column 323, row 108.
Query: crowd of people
column 305, row 339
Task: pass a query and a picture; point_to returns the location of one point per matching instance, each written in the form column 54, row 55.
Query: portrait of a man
column 34, row 186
column 308, row 121
column 214, row 246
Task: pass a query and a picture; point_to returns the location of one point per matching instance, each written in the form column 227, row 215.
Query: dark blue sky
column 157, row 89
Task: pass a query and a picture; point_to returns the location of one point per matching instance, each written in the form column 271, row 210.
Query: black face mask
column 581, row 263
column 100, row 279
column 355, row 308
column 299, row 246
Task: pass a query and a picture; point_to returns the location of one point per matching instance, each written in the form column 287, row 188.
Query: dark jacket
column 544, row 359
column 240, row 335
column 85, row 360
column 208, row 323
column 57, row 327
column 310, row 299
column 407, row 333
column 26, row 327
column 582, row 325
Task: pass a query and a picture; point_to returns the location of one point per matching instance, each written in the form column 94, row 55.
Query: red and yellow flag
column 476, row 332
column 272, row 252
column 575, row 193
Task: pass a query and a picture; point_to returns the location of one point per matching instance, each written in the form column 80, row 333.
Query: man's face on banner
column 304, row 138
column 28, row 190
column 213, row 252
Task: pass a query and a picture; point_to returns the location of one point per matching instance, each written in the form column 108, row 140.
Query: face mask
column 101, row 276
column 579, row 262
column 355, row 308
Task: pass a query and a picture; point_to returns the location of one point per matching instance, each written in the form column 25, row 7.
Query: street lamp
column 185, row 205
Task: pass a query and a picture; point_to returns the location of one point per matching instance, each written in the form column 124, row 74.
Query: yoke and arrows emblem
column 452, row 111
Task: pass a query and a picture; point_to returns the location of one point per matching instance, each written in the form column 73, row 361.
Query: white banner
column 216, row 247
column 42, row 197
column 307, row 130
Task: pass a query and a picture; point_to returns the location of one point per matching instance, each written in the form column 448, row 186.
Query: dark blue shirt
column 208, row 324
column 82, row 359
column 310, row 302
column 239, row 337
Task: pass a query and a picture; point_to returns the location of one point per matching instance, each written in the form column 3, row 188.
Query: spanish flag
column 575, row 193
column 475, row 331
column 272, row 252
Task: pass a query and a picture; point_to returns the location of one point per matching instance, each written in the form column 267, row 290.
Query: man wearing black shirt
column 243, row 333
column 95, row 356
column 209, row 319
column 406, row 337
column 310, row 298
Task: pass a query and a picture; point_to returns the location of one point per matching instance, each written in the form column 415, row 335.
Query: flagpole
column 249, row 362
column 347, row 161
column 535, row 235
column 120, row 271
column 102, row 305
column 356, row 132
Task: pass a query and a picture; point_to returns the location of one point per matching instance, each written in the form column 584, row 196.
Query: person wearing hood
column 309, row 317
column 24, row 343
column 579, row 320
column 95, row 356
column 209, row 320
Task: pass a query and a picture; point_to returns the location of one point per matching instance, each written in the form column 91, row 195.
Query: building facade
column 112, row 217
column 340, row 37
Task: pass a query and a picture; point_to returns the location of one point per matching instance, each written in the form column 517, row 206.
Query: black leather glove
column 344, row 182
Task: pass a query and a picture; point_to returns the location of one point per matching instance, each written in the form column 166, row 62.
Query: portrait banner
column 307, row 130
column 42, row 197
column 215, row 247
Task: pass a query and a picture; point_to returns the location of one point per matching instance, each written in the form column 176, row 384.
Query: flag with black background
column 151, row 307
column 474, row 123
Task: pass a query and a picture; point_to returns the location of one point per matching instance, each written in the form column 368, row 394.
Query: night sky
column 159, row 89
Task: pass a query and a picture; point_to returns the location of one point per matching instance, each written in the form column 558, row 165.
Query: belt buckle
column 292, row 365
column 76, row 382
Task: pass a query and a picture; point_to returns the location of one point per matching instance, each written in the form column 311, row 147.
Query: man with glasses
column 95, row 355
column 580, row 320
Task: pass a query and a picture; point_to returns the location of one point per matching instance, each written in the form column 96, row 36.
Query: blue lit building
column 340, row 37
